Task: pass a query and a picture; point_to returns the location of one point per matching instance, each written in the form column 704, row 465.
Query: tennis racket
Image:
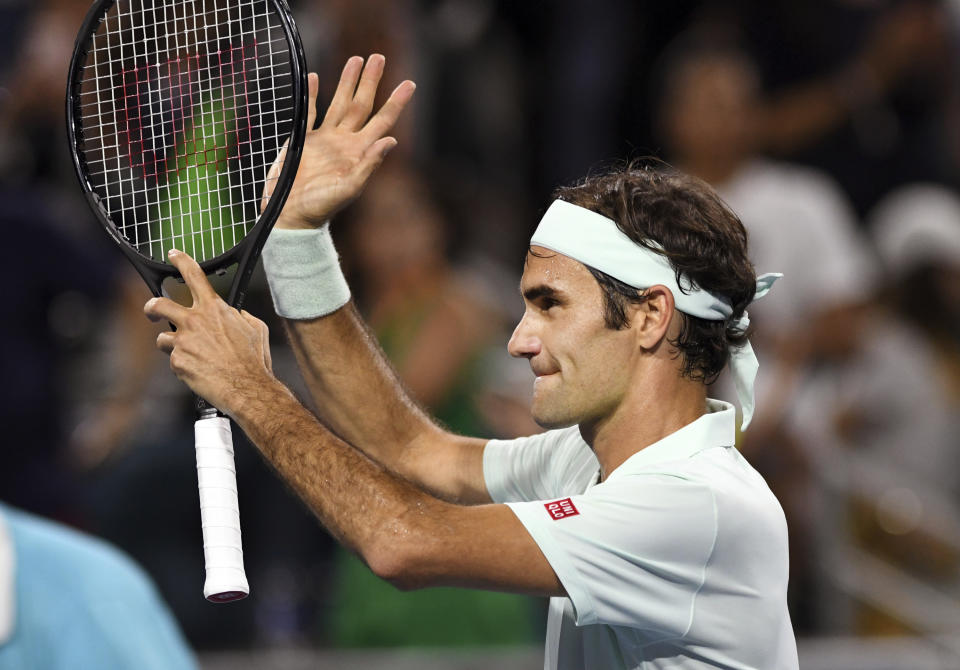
column 176, row 110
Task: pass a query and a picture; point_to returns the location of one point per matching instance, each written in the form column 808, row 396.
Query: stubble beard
column 551, row 408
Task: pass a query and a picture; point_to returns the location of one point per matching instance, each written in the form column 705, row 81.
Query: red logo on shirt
column 561, row 509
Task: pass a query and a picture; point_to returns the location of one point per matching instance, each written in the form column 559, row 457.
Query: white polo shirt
column 677, row 560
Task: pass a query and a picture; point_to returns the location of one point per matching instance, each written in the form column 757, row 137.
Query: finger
column 379, row 149
column 313, row 87
column 264, row 336
column 165, row 309
column 193, row 275
column 343, row 96
column 387, row 116
column 166, row 341
column 373, row 157
column 362, row 105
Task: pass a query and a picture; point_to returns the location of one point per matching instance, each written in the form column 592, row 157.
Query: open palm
column 341, row 154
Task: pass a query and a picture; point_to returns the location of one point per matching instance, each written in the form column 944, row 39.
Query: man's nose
column 524, row 343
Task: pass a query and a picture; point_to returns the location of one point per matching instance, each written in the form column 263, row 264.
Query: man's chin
column 552, row 420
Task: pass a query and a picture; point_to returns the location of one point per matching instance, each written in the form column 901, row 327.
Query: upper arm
column 629, row 552
column 449, row 466
column 473, row 471
column 483, row 546
column 633, row 553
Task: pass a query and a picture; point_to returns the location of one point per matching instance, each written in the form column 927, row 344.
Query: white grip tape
column 219, row 511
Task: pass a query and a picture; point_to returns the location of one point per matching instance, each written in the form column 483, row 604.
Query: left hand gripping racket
column 176, row 109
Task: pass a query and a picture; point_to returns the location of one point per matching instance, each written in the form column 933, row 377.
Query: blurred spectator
column 797, row 219
column 862, row 90
column 910, row 402
column 69, row 601
column 799, row 223
column 893, row 479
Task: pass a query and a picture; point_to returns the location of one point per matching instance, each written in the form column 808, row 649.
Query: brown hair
column 683, row 218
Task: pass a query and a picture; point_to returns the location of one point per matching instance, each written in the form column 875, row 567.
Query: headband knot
column 597, row 241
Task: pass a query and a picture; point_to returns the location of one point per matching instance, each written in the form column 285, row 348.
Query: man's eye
column 547, row 303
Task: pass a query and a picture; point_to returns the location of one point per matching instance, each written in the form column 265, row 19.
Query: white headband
column 597, row 241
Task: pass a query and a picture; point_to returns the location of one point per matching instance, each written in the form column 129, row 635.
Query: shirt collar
column 715, row 428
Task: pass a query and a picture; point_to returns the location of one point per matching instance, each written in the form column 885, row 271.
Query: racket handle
column 219, row 510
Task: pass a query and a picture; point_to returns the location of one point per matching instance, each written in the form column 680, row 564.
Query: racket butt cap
column 227, row 596
column 225, row 588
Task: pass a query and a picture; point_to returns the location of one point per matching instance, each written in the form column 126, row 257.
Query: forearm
column 403, row 534
column 365, row 507
column 356, row 391
column 359, row 396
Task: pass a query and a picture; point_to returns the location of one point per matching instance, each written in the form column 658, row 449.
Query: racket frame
column 248, row 249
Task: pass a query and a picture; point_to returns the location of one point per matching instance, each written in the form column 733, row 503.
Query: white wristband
column 303, row 271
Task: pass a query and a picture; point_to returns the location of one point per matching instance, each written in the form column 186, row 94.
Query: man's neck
column 654, row 409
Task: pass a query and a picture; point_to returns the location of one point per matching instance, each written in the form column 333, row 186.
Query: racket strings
column 153, row 161
column 184, row 104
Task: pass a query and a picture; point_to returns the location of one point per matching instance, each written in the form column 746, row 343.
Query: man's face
column 582, row 367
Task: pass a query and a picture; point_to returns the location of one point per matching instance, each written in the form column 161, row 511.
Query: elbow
column 399, row 557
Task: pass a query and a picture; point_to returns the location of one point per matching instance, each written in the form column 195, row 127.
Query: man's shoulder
column 745, row 505
column 719, row 477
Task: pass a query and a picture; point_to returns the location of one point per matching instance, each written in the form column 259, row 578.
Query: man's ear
column 650, row 320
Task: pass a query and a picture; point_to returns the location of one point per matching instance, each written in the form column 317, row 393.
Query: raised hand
column 340, row 155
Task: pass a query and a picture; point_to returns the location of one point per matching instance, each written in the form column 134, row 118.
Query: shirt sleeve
column 632, row 552
column 518, row 470
column 538, row 467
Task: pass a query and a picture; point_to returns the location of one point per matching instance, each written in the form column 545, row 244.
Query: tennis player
column 659, row 545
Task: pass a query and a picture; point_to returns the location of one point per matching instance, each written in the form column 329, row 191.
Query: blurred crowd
column 830, row 127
